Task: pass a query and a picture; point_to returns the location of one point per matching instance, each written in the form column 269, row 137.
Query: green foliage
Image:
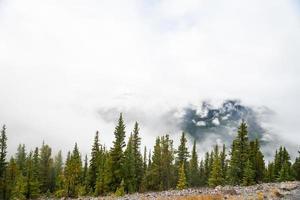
column 239, row 155
column 3, row 163
column 73, row 173
column 129, row 168
column 138, row 159
column 249, row 174
column 30, row 180
column 21, row 158
column 285, row 172
column 10, row 178
column 224, row 165
column 269, row 173
column 58, row 171
column 19, row 189
column 182, row 183
column 194, row 168
column 120, row 190
column 154, row 172
column 116, row 171
column 182, row 152
column 167, row 167
column 117, row 154
column 94, row 163
column 45, row 168
column 296, row 167
column 216, row 177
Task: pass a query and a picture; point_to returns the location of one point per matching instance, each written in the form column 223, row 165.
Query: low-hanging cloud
column 63, row 63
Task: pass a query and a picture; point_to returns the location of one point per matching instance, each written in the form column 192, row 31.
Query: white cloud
column 60, row 61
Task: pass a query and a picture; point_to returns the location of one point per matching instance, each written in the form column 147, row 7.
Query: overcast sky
column 62, row 62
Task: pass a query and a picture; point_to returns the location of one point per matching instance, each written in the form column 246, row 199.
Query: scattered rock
column 229, row 191
column 288, row 186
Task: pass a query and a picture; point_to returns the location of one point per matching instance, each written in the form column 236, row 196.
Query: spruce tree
column 206, row 168
column 18, row 192
column 31, row 182
column 223, row 162
column 194, row 168
column 284, row 174
column 138, row 159
column 154, row 174
column 58, row 171
column 21, row 158
column 269, row 174
column 202, row 176
column 182, row 183
column 94, row 163
column 85, row 184
column 3, row 163
column 182, row 154
column 45, row 168
column 239, row 155
column 296, row 167
column 216, row 176
column 258, row 163
column 145, row 161
column 11, row 178
column 249, row 174
column 117, row 154
column 73, row 173
column 129, row 167
column 167, row 168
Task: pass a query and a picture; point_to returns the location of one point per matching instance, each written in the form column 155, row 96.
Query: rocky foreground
column 285, row 190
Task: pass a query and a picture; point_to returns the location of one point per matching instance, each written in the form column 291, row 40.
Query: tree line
column 124, row 168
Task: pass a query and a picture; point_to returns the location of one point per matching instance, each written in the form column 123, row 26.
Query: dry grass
column 198, row 197
column 260, row 196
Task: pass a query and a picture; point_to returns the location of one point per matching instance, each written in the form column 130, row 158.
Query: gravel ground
column 270, row 191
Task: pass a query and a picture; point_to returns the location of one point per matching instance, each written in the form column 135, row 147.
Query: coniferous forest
column 127, row 167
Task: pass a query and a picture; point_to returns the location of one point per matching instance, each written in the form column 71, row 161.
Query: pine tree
column 138, row 159
column 11, row 178
column 104, row 176
column 3, row 163
column 206, row 168
column 202, row 176
column 58, row 171
column 85, row 177
column 21, row 158
column 45, row 168
column 18, row 191
column 194, row 169
column 73, row 172
column 284, row 174
column 167, row 168
column 258, row 163
column 154, row 173
column 296, row 167
column 107, row 174
column 269, row 174
column 117, row 154
column 182, row 154
column 145, row 161
column 216, row 176
column 223, row 162
column 239, row 155
column 94, row 163
column 282, row 165
column 31, row 186
column 181, row 184
column 249, row 174
column 129, row 167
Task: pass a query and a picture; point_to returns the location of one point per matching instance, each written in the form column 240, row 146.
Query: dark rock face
column 222, row 122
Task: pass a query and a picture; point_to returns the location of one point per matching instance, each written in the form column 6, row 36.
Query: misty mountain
column 221, row 122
